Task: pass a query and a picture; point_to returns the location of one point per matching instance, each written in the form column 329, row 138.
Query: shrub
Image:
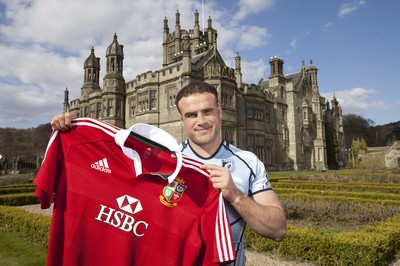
column 19, row 199
column 31, row 226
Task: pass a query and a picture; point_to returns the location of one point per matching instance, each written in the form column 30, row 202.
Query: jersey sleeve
column 217, row 233
column 260, row 181
column 51, row 168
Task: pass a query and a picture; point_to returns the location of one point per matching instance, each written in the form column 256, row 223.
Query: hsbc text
column 121, row 220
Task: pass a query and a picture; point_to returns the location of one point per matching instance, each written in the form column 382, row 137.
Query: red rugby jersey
column 114, row 205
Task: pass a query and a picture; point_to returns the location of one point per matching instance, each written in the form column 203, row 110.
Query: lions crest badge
column 173, row 192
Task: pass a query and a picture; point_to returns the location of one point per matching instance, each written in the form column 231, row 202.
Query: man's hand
column 262, row 212
column 62, row 122
column 222, row 180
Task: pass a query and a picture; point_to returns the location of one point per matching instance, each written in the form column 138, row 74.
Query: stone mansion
column 283, row 119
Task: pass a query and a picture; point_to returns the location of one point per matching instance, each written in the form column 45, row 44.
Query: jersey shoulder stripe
column 85, row 121
column 194, row 164
column 101, row 125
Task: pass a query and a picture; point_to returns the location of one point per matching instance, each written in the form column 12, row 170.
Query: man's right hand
column 62, row 121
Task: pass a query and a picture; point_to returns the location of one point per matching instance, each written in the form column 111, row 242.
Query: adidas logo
column 101, row 165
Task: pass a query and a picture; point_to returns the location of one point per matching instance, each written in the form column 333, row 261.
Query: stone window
column 319, row 155
column 153, row 100
column 227, row 97
column 268, row 155
column 143, row 102
column 171, row 52
column 110, row 107
column 250, row 143
column 171, row 92
column 132, row 107
column 98, row 110
column 118, row 108
column 93, row 110
column 86, row 111
column 249, row 109
column 267, row 116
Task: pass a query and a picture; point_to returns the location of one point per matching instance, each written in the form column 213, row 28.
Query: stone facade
column 282, row 119
column 392, row 155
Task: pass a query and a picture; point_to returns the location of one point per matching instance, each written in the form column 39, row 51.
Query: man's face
column 201, row 118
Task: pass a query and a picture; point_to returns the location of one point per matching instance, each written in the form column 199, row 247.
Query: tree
column 332, row 147
column 356, row 127
column 359, row 147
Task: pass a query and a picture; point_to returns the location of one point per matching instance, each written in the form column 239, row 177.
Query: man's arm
column 62, row 121
column 263, row 212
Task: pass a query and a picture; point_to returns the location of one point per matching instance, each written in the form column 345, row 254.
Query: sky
column 355, row 44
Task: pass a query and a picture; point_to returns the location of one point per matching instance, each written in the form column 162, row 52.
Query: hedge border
column 32, row 226
column 375, row 244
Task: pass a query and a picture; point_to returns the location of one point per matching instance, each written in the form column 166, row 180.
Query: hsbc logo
column 122, row 220
column 129, row 204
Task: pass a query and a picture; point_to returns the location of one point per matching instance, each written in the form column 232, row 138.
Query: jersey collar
column 154, row 134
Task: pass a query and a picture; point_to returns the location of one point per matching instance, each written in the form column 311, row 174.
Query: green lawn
column 15, row 251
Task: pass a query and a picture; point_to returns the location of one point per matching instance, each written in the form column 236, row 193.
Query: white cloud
column 253, row 71
column 328, row 26
column 295, row 40
column 348, row 8
column 364, row 102
column 293, row 43
column 252, row 37
column 353, row 101
column 44, row 44
column 380, row 104
column 248, row 7
column 27, row 104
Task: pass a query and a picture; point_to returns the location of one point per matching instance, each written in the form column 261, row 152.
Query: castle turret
column 165, row 42
column 276, row 71
column 318, row 103
column 276, row 66
column 186, row 64
column 312, row 73
column 196, row 35
column 114, row 85
column 238, row 71
column 66, row 100
column 91, row 68
column 177, row 33
column 212, row 35
column 115, row 56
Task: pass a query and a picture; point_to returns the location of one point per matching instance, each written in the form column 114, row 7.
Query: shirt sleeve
column 260, row 181
column 217, row 233
column 49, row 171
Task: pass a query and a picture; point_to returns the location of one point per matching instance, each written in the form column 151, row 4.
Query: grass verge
column 16, row 251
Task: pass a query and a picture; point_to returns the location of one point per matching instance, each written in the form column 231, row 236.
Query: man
column 239, row 175
column 133, row 190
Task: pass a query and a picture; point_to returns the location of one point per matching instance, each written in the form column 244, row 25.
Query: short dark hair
column 195, row 87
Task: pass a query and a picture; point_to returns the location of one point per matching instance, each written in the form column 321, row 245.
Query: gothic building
column 282, row 119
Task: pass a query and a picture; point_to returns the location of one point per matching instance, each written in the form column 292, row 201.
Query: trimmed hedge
column 32, row 226
column 19, row 199
column 334, row 193
column 338, row 186
column 321, row 196
column 375, row 244
column 16, row 189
